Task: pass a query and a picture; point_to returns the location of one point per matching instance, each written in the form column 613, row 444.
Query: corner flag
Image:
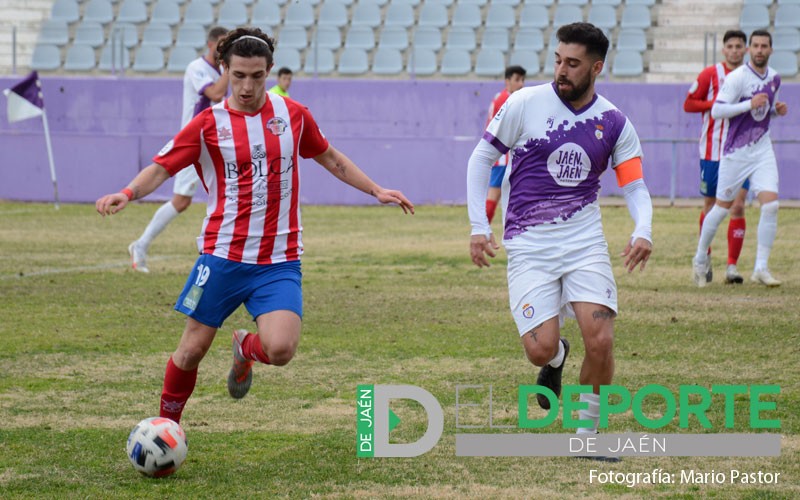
column 25, row 101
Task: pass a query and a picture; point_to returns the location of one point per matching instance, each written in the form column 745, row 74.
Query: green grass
column 389, row 299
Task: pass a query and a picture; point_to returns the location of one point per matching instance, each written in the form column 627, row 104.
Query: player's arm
column 479, row 167
column 640, row 206
column 143, row 184
column 216, row 91
column 779, row 108
column 348, row 172
column 729, row 104
column 697, row 99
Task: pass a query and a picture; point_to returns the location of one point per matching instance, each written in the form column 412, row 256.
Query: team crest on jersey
column 277, row 125
column 598, row 132
column 258, row 152
column 551, row 121
column 167, row 148
column 224, row 134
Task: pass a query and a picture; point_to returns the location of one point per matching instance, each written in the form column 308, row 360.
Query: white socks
column 711, row 223
column 767, row 228
column 163, row 216
column 591, row 413
column 556, row 362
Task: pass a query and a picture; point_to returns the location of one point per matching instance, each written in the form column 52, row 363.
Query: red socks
column 178, row 386
column 491, row 206
column 252, row 349
column 736, row 229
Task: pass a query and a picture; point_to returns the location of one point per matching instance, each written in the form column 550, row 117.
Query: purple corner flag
column 25, row 99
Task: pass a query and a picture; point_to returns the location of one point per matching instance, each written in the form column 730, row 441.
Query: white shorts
column 186, row 182
column 545, row 275
column 763, row 174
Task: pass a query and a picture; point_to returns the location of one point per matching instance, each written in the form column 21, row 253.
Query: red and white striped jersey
column 248, row 165
column 701, row 98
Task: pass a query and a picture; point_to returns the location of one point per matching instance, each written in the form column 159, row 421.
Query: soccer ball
column 157, row 446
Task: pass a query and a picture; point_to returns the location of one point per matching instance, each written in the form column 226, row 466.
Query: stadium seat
column 427, row 38
column 528, row 59
column 293, row 37
column 613, row 3
column 80, row 58
column 199, row 12
column 132, row 11
column 167, row 12
column 286, row 57
column 466, row 16
column 387, row 61
column 412, row 3
column 510, row 3
column 422, row 62
column 353, row 62
column 647, row 3
column 46, row 57
column 120, row 59
column 360, row 37
column 461, row 39
column 393, row 37
column 89, row 33
column 433, row 16
column 379, row 3
column 784, row 62
column 266, row 13
column 99, row 11
column 566, row 14
column 232, row 14
column 456, row 62
column 627, row 63
column 54, row 32
column 787, row 16
column 500, row 16
column 632, row 39
column 579, row 3
column 65, row 10
column 490, row 62
column 786, row 39
column 179, row 58
column 126, row 32
column 545, row 3
column 495, row 39
column 529, row 39
column 327, row 37
column 399, row 15
column 149, row 59
column 157, row 35
column 332, row 13
column 190, row 35
column 299, row 14
column 366, row 14
column 534, row 16
column 549, row 67
column 782, row 2
column 635, row 16
column 319, row 62
column 603, row 16
column 443, row 3
column 753, row 17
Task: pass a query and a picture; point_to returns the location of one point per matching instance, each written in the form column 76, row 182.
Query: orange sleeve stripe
column 629, row 171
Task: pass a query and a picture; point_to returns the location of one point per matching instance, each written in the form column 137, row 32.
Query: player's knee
column 280, row 354
column 539, row 354
column 770, row 208
column 189, row 357
column 600, row 346
column 181, row 203
column 737, row 210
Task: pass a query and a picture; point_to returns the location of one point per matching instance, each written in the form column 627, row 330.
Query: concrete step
column 690, row 69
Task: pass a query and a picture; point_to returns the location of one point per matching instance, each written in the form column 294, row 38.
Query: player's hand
column 759, row 100
column 636, row 252
column 392, row 196
column 781, row 108
column 480, row 247
column 111, row 203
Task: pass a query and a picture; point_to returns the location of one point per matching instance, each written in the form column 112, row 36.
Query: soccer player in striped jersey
column 712, row 137
column 246, row 151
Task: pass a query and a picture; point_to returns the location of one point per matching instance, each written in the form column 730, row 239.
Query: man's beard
column 576, row 92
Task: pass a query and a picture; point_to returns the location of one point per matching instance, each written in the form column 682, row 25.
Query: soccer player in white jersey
column 748, row 99
column 562, row 136
column 246, row 151
column 700, row 98
column 203, row 84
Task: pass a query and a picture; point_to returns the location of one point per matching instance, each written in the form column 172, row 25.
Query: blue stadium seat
column 579, row 3
column 333, row 13
column 299, row 14
column 46, row 57
column 422, row 62
column 157, row 35
column 179, row 58
column 191, row 35
column 149, row 59
column 167, row 12
column 120, row 59
column 529, row 39
column 54, row 32
column 286, row 57
column 528, row 59
column 461, row 39
column 613, row 3
column 266, row 13
column 293, row 37
column 534, row 16
column 80, row 58
column 319, row 62
column 545, row 3
column 132, row 11
column 399, row 15
column 603, row 16
column 366, row 14
column 232, row 14
column 456, row 62
column 632, row 39
column 126, row 32
column 635, row 16
column 199, row 12
column 412, row 3
column 549, row 67
column 754, row 17
column 646, row 3
column 65, row 10
column 444, row 3
column 353, row 62
column 495, row 39
column 393, row 37
column 466, row 16
column 379, row 3
column 327, row 37
column 479, row 3
column 427, row 38
column 89, row 33
column 387, row 61
column 360, row 37
column 500, row 16
column 784, row 62
column 566, row 14
column 512, row 3
column 433, row 16
column 628, row 63
column 99, row 11
column 786, row 39
column 489, row 62
column 787, row 16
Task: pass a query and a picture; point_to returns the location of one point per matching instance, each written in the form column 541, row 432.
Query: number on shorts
column 203, row 272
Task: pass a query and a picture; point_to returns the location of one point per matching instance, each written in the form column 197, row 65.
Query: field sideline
column 389, row 299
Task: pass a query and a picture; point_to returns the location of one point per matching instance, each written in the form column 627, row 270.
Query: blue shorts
column 709, row 174
column 217, row 287
column 496, row 180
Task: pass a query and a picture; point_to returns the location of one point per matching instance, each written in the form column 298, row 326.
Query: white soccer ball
column 157, row 446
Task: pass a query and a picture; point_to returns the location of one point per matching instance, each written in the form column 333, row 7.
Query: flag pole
column 50, row 156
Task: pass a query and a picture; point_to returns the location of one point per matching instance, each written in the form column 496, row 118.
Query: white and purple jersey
column 199, row 75
column 748, row 134
column 559, row 154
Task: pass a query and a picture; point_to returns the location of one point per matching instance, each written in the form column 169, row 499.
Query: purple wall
column 411, row 135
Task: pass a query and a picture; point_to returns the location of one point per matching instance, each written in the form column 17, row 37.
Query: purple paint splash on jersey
column 744, row 129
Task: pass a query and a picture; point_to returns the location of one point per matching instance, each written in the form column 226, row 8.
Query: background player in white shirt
column 562, row 136
column 247, row 149
column 748, row 98
column 203, row 84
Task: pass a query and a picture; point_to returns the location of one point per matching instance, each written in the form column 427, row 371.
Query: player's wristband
column 127, row 192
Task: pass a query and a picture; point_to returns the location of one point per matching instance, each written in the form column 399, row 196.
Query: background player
column 203, row 83
column 284, row 82
column 712, row 136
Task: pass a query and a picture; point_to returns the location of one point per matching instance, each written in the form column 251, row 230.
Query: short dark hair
column 734, row 34
column 515, row 70
column 284, row 71
column 246, row 42
column 761, row 33
column 216, row 33
column 586, row 34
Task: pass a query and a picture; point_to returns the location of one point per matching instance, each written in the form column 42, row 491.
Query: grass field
column 389, row 299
